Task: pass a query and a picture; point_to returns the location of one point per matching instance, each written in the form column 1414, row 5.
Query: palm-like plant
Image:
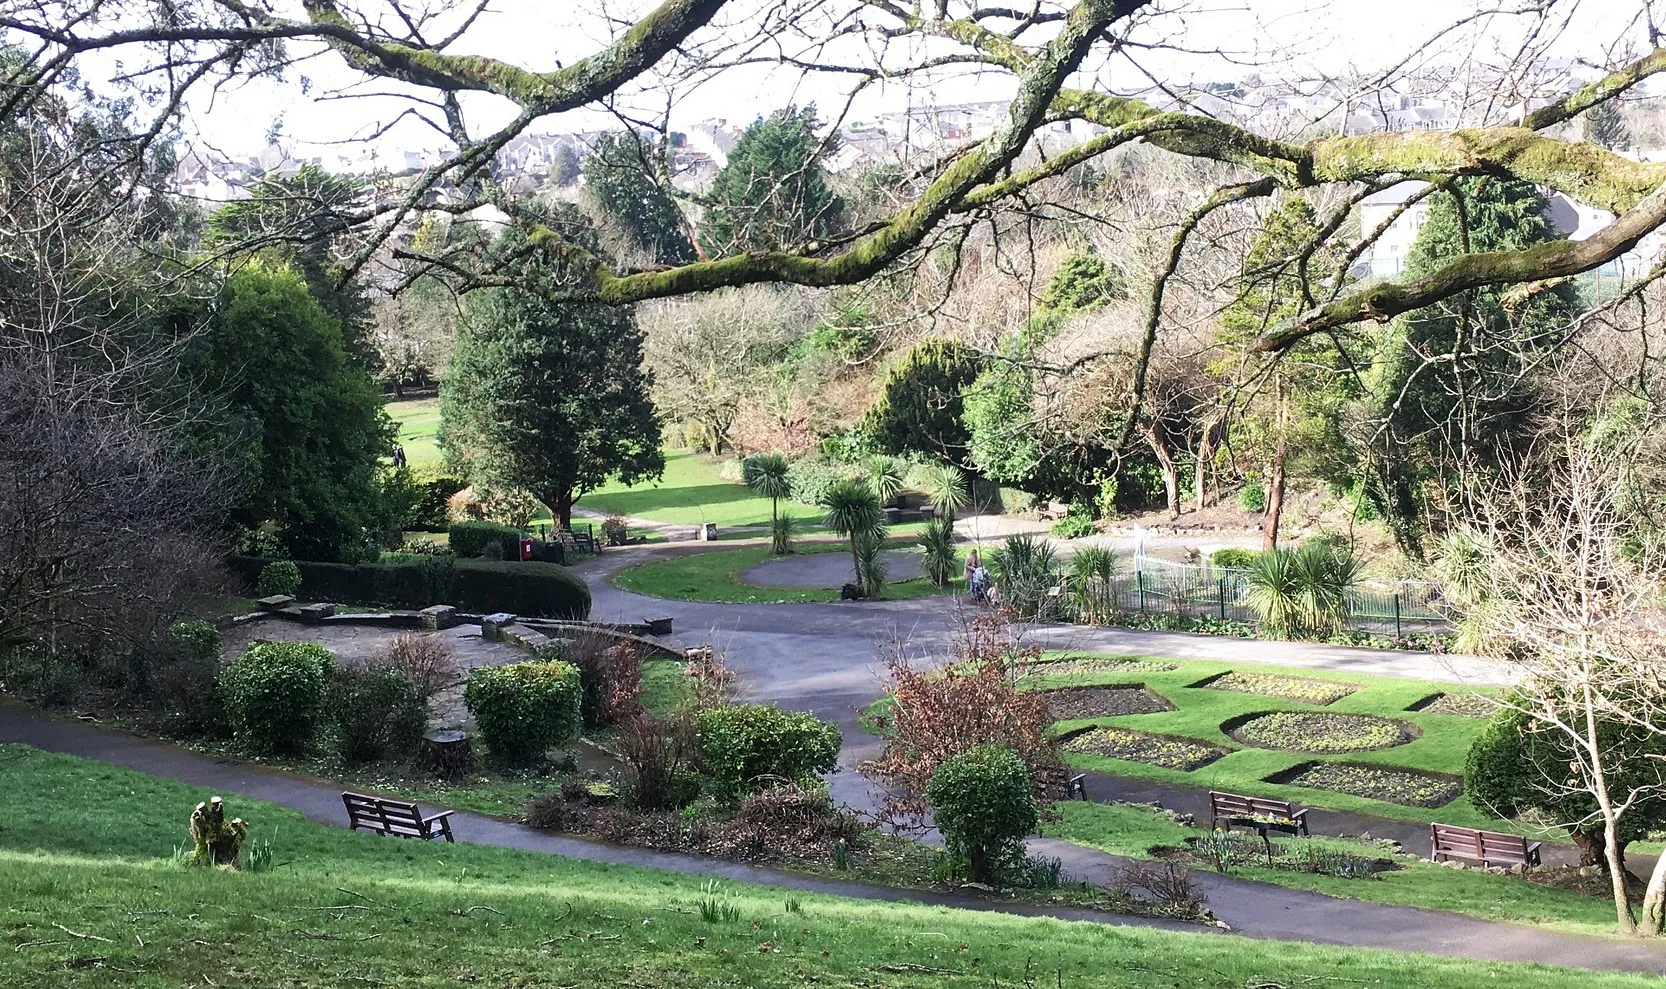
column 872, row 569
column 945, row 486
column 766, row 475
column 1305, row 591
column 1092, row 581
column 885, row 477
column 781, row 533
column 1026, row 570
column 937, row 541
column 853, row 511
column 1274, row 591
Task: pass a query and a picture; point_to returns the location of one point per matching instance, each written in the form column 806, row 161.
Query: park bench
column 394, row 817
column 1256, row 812
column 1054, row 511
column 583, row 536
column 1486, row 847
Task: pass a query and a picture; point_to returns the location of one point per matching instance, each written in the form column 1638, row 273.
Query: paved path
column 1251, row 909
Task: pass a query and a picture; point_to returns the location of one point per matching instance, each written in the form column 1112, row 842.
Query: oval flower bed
column 1323, row 732
column 1072, row 703
column 1392, row 784
column 1304, row 690
column 1167, row 751
column 1078, row 665
column 1461, row 705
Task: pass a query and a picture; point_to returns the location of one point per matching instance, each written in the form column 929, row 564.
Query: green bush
column 940, row 559
column 429, row 515
column 1232, row 558
column 525, row 708
column 273, row 693
column 983, row 802
column 374, row 712
column 471, row 540
column 541, row 590
column 752, row 747
column 279, row 577
column 1076, row 523
column 808, row 478
column 1252, row 497
column 200, row 637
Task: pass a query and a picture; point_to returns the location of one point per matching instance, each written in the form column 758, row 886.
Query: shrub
column 983, row 803
column 1078, row 522
column 1025, row 568
column 374, row 712
column 941, row 559
column 1232, row 558
column 525, row 708
column 610, row 679
column 473, row 540
column 425, row 660
column 199, row 637
column 660, row 756
column 1252, row 497
column 615, row 530
column 783, row 529
column 543, row 590
column 273, row 693
column 751, row 747
column 279, row 577
column 1092, row 583
column 432, row 511
column 808, row 478
column 871, row 562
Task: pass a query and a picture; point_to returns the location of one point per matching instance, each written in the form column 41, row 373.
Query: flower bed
column 1304, row 690
column 1461, row 705
column 1071, row 703
column 1322, row 732
column 1167, row 751
column 1408, row 787
column 1078, row 665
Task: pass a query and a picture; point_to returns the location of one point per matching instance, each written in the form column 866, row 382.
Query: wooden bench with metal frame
column 394, row 817
column 1486, row 847
column 1237, row 808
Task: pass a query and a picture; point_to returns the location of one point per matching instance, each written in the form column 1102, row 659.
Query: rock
column 438, row 617
column 1590, row 870
column 314, row 614
column 492, row 626
column 1517, row 869
column 276, row 602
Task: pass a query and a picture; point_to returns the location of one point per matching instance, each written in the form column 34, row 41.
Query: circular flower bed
column 1071, row 703
column 1322, row 732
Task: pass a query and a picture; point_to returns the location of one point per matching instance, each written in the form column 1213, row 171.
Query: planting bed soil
column 1076, row 665
column 1167, row 751
column 1071, row 703
column 1321, row 732
column 1408, row 787
column 1462, row 705
column 1304, row 690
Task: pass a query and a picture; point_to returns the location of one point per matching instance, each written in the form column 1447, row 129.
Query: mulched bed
column 1462, row 705
column 1409, row 787
column 1167, row 751
column 1322, row 732
column 1304, row 690
column 1071, row 703
column 1077, row 665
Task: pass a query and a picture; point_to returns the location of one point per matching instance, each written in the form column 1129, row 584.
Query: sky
column 1191, row 41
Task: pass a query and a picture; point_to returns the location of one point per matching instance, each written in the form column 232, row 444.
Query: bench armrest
column 437, row 817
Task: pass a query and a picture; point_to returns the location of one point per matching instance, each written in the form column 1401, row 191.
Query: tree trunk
column 1589, row 844
column 1275, row 484
column 1153, row 433
column 1610, row 821
column 1205, row 450
column 855, row 562
column 560, row 503
column 1654, row 899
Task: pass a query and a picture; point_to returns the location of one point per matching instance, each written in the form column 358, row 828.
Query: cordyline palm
column 853, row 511
column 766, row 475
column 945, row 486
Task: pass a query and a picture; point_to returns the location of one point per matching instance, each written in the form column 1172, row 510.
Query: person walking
column 399, row 455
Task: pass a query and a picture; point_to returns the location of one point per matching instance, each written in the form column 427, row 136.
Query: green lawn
column 714, row 576
column 418, row 420
column 1442, row 746
column 1134, row 831
column 94, row 899
column 689, row 494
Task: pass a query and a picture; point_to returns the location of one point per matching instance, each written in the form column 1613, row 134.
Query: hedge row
column 541, row 590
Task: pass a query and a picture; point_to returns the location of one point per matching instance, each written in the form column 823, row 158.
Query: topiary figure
column 279, row 577
column 214, row 840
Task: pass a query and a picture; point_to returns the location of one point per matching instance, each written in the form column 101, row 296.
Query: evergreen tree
column 1602, row 126
column 296, row 220
column 564, row 166
column 920, row 406
column 625, row 196
column 1084, row 282
column 1453, row 381
column 772, row 194
column 549, row 397
column 308, row 421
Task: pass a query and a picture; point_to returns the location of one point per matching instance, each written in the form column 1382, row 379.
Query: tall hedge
column 751, row 747
column 540, row 590
column 469, row 540
column 524, row 708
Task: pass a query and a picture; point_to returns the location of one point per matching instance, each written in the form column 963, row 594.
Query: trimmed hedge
column 279, row 577
column 470, row 539
column 274, row 692
column 524, row 708
column 984, row 804
column 753, row 747
column 536, row 590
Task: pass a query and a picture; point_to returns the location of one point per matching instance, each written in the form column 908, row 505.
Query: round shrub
column 279, row 577
column 983, row 803
column 1252, row 497
column 200, row 638
column 1232, row 558
column 753, row 747
column 273, row 693
column 524, row 708
column 471, row 540
column 375, row 712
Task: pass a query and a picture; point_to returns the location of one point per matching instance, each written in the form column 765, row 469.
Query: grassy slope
column 714, row 576
column 86, row 847
column 1133, row 831
column 690, row 493
column 418, row 420
column 1442, row 747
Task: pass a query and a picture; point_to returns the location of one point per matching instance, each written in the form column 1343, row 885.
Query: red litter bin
column 526, row 548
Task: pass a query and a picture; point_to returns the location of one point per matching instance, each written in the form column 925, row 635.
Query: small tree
column 772, row 194
column 945, row 488
column 853, row 512
column 1603, row 126
column 623, row 193
column 766, row 475
column 919, row 408
column 984, row 804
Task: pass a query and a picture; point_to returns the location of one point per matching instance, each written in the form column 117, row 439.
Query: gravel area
column 820, row 570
